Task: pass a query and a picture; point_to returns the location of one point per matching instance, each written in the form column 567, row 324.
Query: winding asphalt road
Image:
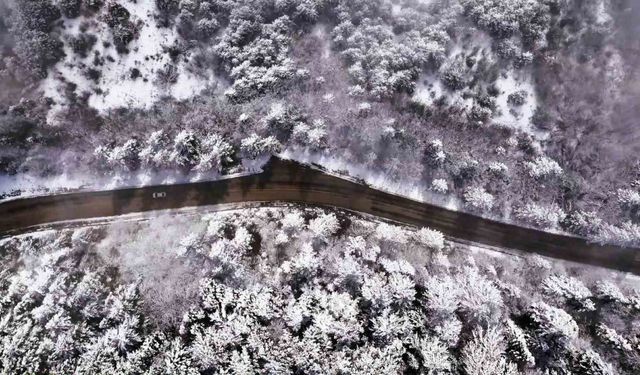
column 287, row 181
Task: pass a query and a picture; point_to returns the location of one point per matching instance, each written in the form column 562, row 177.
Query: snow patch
column 322, row 35
column 116, row 86
column 518, row 117
column 428, row 90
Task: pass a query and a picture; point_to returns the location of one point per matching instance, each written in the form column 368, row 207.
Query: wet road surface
column 287, row 181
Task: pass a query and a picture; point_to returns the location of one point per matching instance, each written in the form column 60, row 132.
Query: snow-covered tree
column 570, row 289
column 434, row 152
column 484, row 354
column 543, row 167
column 517, row 347
column 545, row 216
column 589, row 362
column 255, row 146
column 391, row 233
column 325, row 225
column 292, row 221
column 477, row 198
column 449, row 331
column 612, row 338
column 607, row 291
column 434, row 355
column 126, row 156
column 479, row 297
column 583, row 223
column 551, row 320
column 306, row 261
column 314, row 135
column 432, row 239
column 156, row 153
column 441, row 295
column 498, row 169
column 630, row 200
column 215, row 154
column 439, row 185
column 186, row 150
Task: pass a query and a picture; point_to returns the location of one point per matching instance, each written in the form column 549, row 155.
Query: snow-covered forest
column 300, row 290
column 517, row 110
column 522, row 110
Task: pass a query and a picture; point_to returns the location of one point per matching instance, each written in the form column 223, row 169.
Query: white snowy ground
column 429, row 89
column 147, row 54
column 512, row 116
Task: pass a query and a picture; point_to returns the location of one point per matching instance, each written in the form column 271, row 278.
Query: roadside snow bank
column 341, row 168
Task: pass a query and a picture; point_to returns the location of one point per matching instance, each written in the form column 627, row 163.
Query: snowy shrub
column 434, row 152
column 543, row 167
column 547, row 216
column 498, row 169
column 609, row 292
column 582, row 223
column 612, row 338
column 589, row 362
column 478, row 199
column 517, row 98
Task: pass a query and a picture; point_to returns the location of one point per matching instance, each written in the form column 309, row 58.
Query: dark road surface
column 286, row 181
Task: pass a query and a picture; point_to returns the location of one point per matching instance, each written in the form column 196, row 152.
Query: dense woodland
column 523, row 110
column 296, row 290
